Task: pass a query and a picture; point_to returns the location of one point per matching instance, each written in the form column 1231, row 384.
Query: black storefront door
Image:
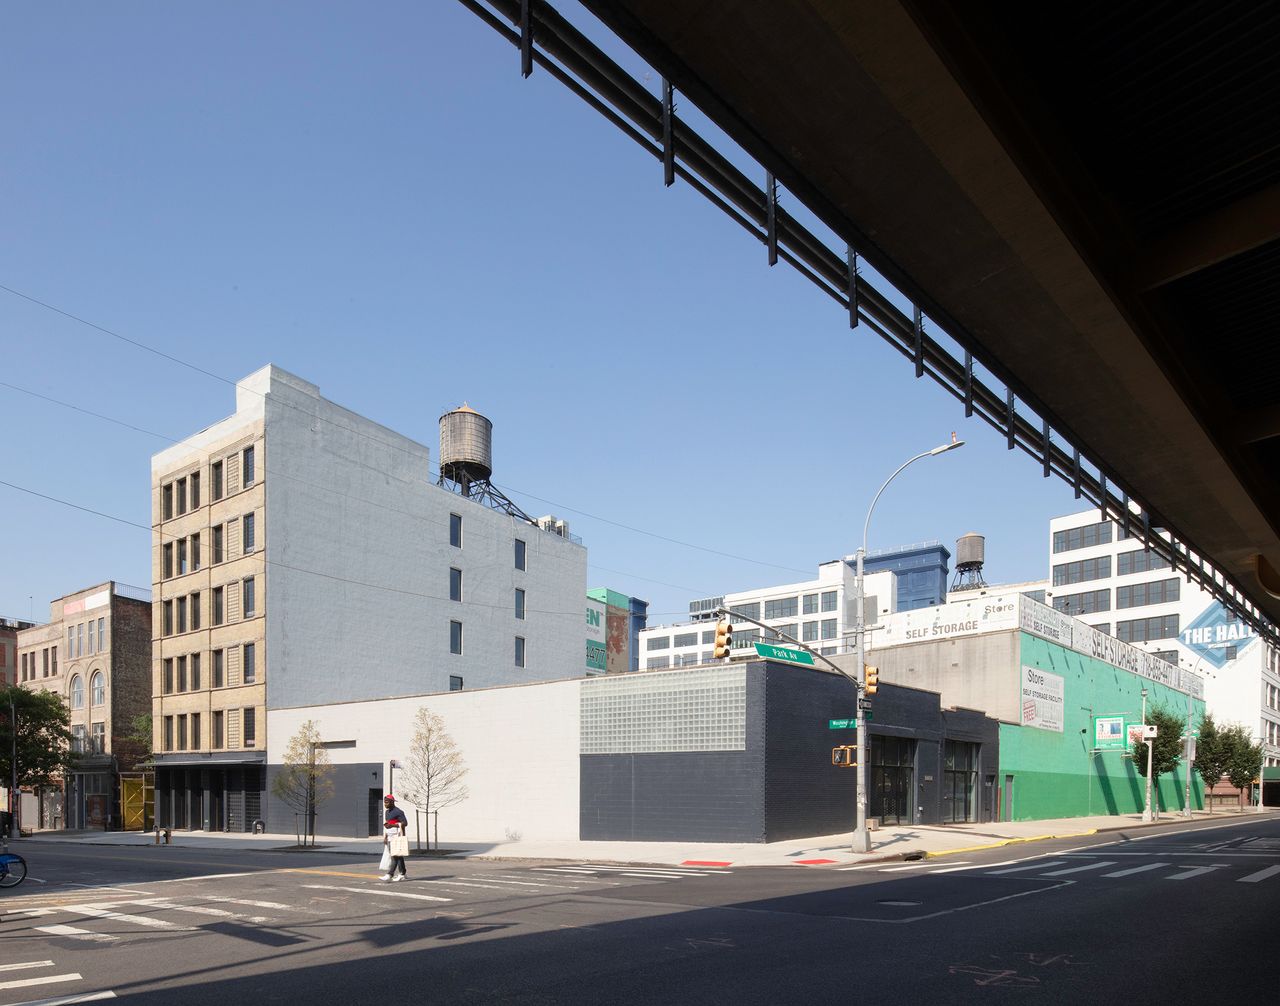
column 893, row 779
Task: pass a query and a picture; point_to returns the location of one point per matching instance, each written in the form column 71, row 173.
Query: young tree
column 305, row 777
column 435, row 767
column 1211, row 756
column 43, row 745
column 133, row 747
column 1244, row 757
column 1166, row 749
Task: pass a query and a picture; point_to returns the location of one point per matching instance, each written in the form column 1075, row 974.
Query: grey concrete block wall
column 345, row 815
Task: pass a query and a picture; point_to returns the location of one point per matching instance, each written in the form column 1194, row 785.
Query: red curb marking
column 813, row 862
column 704, row 862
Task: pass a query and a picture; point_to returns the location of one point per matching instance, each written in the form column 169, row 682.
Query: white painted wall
column 520, row 744
column 358, row 556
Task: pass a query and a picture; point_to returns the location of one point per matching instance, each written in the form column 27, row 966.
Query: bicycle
column 13, row 868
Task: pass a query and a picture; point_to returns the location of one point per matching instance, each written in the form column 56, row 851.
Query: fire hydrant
column 167, row 832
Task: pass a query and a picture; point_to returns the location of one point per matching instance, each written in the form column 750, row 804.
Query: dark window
column 166, row 502
column 748, row 610
column 218, row 671
column 195, row 612
column 246, row 532
column 1082, row 570
column 246, row 598
column 519, row 651
column 168, row 618
column 182, row 674
column 182, row 495
column 246, row 470
column 455, row 682
column 1153, row 592
column 195, row 672
column 520, row 554
column 782, row 607
column 168, row 733
column 1082, row 537
column 218, row 613
column 195, row 551
column 708, row 637
column 519, row 603
column 250, row 732
column 216, row 551
column 688, row 639
column 810, row 632
column 195, row 490
column 455, row 584
column 182, row 614
column 657, row 642
column 455, row 637
column 166, row 561
column 250, row 669
column 829, row 600
column 168, row 676
column 828, row 628
column 1085, row 603
column 455, row 530
column 195, row 731
column 810, row 604
column 215, row 491
column 1140, row 561
column 182, row 556
column 1140, row 630
column 215, row 738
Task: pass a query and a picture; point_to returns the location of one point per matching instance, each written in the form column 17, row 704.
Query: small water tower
column 970, row 556
column 466, row 460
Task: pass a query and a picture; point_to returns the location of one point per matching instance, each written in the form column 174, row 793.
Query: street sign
column 864, row 704
column 1109, row 733
column 841, row 724
column 791, row 656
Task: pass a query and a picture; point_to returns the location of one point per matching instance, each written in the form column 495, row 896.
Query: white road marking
column 375, row 890
column 520, row 883
column 953, row 869
column 77, row 934
column 864, row 866
column 172, row 906
column 105, row 913
column 23, row 983
column 1080, row 869
column 1254, row 878
column 253, row 904
column 1033, row 866
column 913, row 866
column 465, row 883
column 565, row 869
column 26, row 964
column 211, row 876
column 87, row 997
column 653, row 876
column 665, row 870
column 1195, row 871
column 1136, row 869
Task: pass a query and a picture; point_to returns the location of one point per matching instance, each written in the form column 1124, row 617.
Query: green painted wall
column 1055, row 774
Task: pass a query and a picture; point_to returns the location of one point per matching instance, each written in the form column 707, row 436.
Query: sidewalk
column 830, row 850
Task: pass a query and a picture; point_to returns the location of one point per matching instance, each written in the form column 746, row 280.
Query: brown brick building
column 95, row 653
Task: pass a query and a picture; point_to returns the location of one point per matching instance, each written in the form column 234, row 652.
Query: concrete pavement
column 829, row 850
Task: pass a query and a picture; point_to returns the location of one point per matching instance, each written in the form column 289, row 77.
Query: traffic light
column 845, row 756
column 724, row 639
column 870, row 679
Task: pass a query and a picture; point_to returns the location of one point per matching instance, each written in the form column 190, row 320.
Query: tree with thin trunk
column 304, row 780
column 435, row 768
column 1211, row 756
column 1244, row 758
column 1166, row 749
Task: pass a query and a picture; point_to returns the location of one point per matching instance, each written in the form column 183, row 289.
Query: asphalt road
column 1155, row 914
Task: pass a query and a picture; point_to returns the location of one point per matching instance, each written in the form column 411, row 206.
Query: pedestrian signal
column 845, row 756
column 870, row 679
column 724, row 639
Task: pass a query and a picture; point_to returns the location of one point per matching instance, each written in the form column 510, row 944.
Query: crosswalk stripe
column 565, row 869
column 1254, row 878
column 376, row 891
column 665, row 871
column 23, row 983
column 1080, row 869
column 1136, row 869
column 1194, row 871
column 464, row 883
column 26, row 964
column 1031, row 866
column 652, row 876
column 912, row 866
column 77, row 934
column 172, row 906
column 253, row 904
column 84, row 997
column 105, row 913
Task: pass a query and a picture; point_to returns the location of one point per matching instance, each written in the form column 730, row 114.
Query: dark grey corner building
column 742, row 753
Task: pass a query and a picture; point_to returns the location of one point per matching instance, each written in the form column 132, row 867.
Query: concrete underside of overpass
column 1013, row 202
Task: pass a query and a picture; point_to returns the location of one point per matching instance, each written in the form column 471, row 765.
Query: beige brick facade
column 208, row 548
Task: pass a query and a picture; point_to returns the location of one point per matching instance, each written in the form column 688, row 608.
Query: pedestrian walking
column 394, row 836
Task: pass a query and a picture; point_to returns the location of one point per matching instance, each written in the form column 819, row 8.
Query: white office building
column 1106, row 578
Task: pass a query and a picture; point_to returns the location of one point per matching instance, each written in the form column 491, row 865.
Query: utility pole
column 1186, row 803
column 14, row 801
column 1146, row 811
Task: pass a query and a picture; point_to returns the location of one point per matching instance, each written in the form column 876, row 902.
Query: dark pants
column 397, row 866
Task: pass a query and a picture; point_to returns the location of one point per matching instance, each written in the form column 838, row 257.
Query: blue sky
column 372, row 198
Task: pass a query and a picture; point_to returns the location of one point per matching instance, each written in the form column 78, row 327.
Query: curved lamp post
column 861, row 837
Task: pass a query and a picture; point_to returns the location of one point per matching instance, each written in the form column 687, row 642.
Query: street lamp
column 861, row 837
column 1146, row 810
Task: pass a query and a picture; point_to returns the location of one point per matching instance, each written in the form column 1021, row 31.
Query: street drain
column 902, row 904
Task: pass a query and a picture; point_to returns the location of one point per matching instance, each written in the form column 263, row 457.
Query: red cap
column 389, row 797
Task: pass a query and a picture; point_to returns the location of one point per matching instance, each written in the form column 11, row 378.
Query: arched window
column 97, row 689
column 77, row 692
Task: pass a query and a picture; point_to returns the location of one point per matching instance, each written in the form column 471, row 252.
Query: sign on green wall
column 1109, row 733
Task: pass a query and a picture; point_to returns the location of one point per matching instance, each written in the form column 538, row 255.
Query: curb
column 1009, row 841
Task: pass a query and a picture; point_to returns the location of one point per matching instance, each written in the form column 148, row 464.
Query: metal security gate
column 137, row 797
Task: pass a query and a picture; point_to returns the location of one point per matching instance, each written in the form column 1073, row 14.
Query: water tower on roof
column 466, row 460
column 970, row 557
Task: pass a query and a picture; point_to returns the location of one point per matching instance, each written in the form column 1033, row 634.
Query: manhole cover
column 902, row 904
